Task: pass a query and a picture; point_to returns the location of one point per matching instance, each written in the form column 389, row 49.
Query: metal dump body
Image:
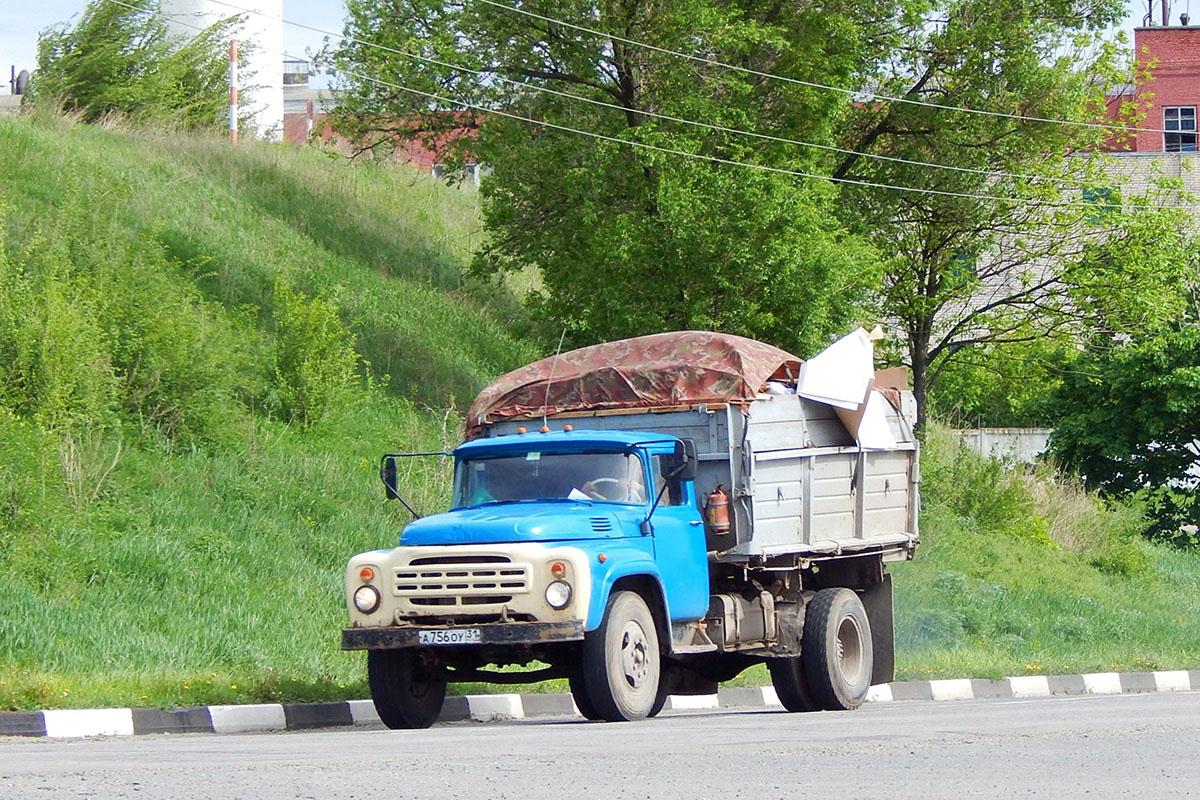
column 799, row 486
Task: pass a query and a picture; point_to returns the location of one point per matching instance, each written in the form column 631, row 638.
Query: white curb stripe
column 243, row 719
column 956, row 689
column 692, row 701
column 89, row 722
column 1172, row 681
column 363, row 712
column 491, row 707
column 769, row 696
column 880, row 694
column 1102, row 683
column 1029, row 686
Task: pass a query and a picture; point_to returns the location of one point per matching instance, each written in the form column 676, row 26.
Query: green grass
column 206, row 566
column 169, row 537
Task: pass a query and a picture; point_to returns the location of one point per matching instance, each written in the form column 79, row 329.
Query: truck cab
column 543, row 528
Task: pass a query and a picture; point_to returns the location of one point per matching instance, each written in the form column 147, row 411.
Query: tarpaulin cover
column 664, row 369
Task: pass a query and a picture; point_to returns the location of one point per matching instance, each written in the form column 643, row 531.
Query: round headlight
column 558, row 594
column 366, row 599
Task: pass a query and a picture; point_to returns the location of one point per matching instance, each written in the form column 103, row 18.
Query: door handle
column 694, row 522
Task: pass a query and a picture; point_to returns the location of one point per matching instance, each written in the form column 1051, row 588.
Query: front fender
column 622, row 559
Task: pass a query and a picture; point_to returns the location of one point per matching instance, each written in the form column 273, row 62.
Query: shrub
column 118, row 60
column 180, row 359
column 54, row 367
column 315, row 359
column 984, row 493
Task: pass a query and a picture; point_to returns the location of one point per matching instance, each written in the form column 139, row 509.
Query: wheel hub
column 634, row 655
column 850, row 649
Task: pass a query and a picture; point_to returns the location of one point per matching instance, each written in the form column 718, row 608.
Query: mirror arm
column 645, row 526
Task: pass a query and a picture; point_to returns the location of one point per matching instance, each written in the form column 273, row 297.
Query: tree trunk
column 918, row 356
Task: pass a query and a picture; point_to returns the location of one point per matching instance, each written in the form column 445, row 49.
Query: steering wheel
column 593, row 489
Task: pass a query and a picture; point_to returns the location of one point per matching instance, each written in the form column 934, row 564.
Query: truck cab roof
column 562, row 441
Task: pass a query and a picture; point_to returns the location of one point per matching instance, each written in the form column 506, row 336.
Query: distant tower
column 261, row 40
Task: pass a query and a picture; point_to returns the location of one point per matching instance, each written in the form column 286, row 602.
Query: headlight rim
column 377, row 599
column 570, row 593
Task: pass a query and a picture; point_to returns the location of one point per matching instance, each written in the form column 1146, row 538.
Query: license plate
column 453, row 636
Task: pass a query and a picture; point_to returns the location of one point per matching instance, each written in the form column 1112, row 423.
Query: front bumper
column 501, row 633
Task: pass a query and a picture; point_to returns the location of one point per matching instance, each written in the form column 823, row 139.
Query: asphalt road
column 1144, row 746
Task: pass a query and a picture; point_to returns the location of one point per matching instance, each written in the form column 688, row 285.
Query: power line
column 668, row 117
column 652, row 147
column 855, row 93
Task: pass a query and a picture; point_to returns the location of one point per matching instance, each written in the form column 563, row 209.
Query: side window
column 674, row 495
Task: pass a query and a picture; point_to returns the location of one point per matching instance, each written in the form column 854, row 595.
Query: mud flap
column 878, row 602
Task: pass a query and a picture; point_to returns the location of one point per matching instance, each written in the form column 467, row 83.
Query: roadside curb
column 269, row 717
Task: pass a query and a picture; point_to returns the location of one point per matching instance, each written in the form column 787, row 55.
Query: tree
column 1129, row 423
column 1029, row 238
column 629, row 240
column 118, row 60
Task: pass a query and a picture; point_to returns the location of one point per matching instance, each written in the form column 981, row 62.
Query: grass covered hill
column 203, row 351
column 187, row 443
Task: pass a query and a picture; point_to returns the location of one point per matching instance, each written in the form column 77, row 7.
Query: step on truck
column 647, row 518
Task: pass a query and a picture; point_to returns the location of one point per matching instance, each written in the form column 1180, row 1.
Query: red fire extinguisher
column 716, row 510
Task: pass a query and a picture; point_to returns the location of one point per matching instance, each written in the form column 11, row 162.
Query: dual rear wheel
column 833, row 670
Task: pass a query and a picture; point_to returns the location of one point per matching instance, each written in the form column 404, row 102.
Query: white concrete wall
column 1022, row 445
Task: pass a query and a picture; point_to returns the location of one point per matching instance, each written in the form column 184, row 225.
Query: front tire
column 837, row 650
column 405, row 693
column 621, row 662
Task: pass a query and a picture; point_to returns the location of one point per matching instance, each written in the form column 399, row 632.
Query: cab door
column 679, row 543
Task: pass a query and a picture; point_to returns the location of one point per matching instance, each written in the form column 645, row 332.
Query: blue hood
column 525, row 522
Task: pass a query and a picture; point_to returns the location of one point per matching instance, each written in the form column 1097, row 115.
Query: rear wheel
column 791, row 684
column 405, row 693
column 837, row 650
column 621, row 665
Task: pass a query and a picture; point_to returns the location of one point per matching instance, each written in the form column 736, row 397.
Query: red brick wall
column 295, row 131
column 1175, row 79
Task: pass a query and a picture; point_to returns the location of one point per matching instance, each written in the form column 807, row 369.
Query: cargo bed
column 800, row 488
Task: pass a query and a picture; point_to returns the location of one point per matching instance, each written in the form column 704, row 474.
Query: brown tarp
column 664, row 369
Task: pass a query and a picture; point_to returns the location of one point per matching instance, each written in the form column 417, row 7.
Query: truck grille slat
column 473, row 580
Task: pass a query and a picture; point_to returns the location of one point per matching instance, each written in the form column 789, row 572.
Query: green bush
column 983, row 493
column 118, row 60
column 54, row 363
column 315, row 359
column 183, row 362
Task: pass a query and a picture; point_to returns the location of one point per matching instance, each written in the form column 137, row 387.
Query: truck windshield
column 603, row 477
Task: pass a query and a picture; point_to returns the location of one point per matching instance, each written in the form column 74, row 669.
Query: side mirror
column 685, row 460
column 387, row 474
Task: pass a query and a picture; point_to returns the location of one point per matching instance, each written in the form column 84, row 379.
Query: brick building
column 305, row 111
column 1169, row 99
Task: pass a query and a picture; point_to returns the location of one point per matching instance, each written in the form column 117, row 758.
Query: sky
column 21, row 21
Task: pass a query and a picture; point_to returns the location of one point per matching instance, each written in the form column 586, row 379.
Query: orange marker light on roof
column 520, row 430
column 366, row 573
column 545, row 429
column 568, row 427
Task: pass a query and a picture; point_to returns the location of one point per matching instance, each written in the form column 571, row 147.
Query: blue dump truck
column 646, row 518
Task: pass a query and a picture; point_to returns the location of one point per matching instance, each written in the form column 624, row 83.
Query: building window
column 1179, row 122
column 1102, row 197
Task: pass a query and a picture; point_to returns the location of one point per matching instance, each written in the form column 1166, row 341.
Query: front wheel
column 837, row 650
column 621, row 664
column 405, row 693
